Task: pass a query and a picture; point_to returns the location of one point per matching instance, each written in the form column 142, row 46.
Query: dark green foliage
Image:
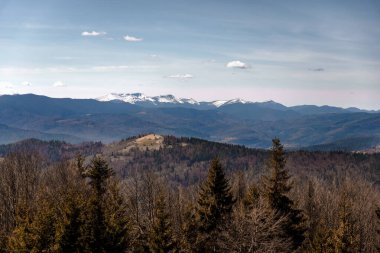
column 71, row 234
column 215, row 199
column 98, row 173
column 104, row 233
column 276, row 189
column 214, row 208
column 117, row 220
column 161, row 237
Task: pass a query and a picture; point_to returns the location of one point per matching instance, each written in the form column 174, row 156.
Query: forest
column 186, row 195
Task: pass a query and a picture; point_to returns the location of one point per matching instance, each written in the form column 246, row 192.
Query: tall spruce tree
column 98, row 172
column 102, row 233
column 277, row 186
column 69, row 240
column 117, row 220
column 161, row 237
column 214, row 209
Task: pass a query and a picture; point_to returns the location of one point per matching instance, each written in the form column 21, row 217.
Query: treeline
column 52, row 151
column 82, row 205
column 185, row 161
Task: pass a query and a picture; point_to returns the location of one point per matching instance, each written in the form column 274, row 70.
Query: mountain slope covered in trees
column 251, row 124
column 157, row 193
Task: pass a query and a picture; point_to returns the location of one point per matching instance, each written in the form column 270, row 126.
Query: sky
column 294, row 52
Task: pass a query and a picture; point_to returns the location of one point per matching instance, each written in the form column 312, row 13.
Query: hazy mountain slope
column 258, row 112
column 52, row 150
column 251, row 124
column 349, row 144
column 12, row 134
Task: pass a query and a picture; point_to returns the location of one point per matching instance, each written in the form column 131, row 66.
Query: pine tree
column 161, row 235
column 34, row 232
column 276, row 189
column 70, row 237
column 117, row 221
column 98, row 173
column 101, row 233
column 214, row 208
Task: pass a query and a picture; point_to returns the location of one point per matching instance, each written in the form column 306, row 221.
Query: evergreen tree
column 161, row 235
column 98, row 173
column 117, row 220
column 214, row 208
column 102, row 234
column 36, row 232
column 69, row 238
column 276, row 189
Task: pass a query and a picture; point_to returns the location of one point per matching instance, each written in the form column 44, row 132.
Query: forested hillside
column 250, row 124
column 157, row 193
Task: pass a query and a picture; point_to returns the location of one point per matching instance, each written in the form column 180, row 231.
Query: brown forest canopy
column 153, row 192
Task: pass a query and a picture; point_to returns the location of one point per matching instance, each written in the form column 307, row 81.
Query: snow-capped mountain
column 223, row 105
column 132, row 98
column 139, row 98
column 166, row 100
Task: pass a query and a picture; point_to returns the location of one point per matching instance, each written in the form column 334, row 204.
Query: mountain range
column 116, row 116
column 171, row 101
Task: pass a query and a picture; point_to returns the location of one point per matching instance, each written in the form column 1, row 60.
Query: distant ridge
column 235, row 121
column 171, row 101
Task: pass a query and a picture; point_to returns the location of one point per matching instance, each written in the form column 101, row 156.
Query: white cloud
column 132, row 38
column 237, row 64
column 26, row 83
column 59, row 84
column 181, row 76
column 93, row 33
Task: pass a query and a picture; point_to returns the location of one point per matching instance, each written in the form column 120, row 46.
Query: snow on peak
column 131, row 98
column 236, row 101
column 139, row 98
column 166, row 99
column 188, row 101
column 219, row 103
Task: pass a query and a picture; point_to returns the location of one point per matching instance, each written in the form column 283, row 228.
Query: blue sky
column 293, row 52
